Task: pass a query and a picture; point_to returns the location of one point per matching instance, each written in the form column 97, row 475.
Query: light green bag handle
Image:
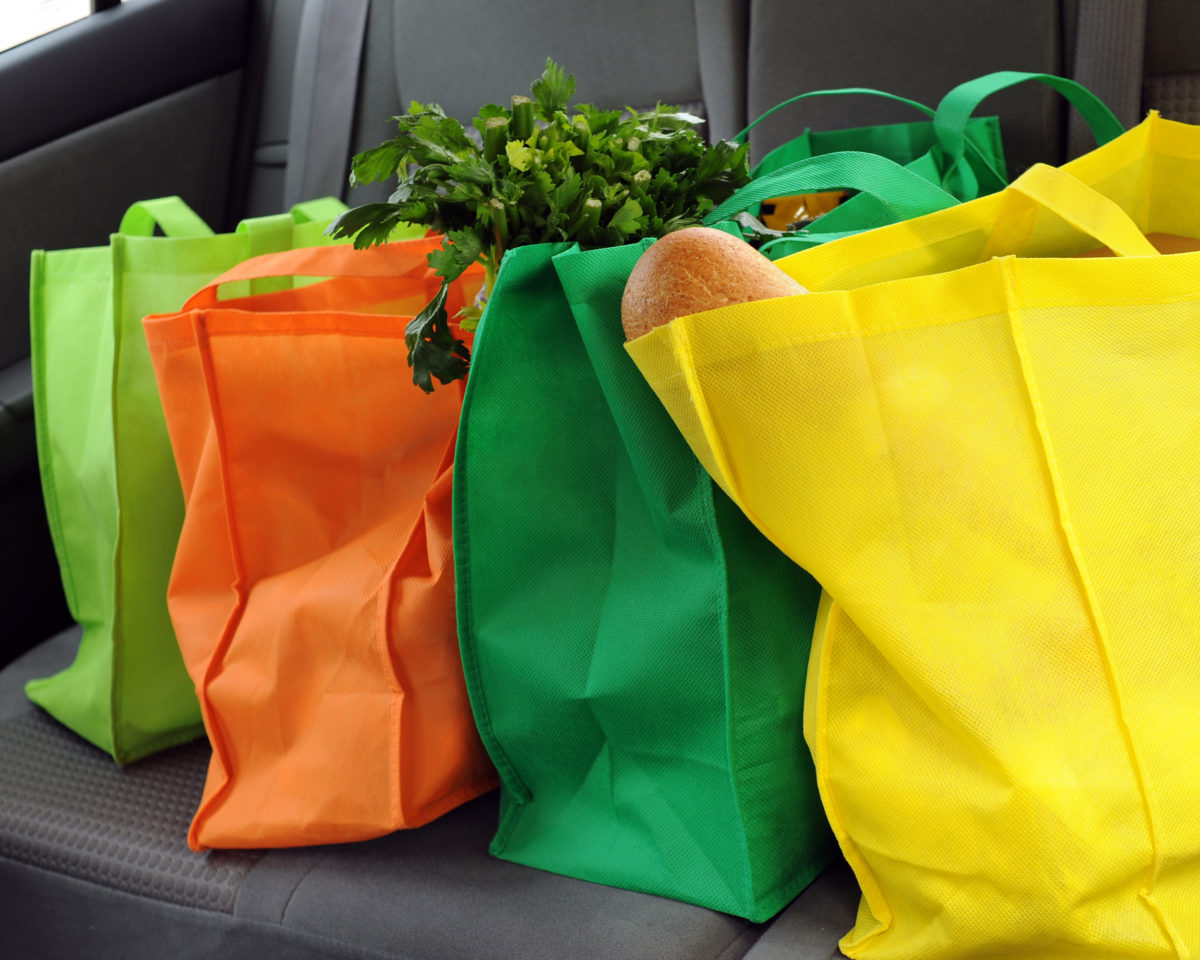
column 904, row 193
column 320, row 210
column 267, row 234
column 171, row 214
column 284, row 231
column 274, row 232
column 957, row 106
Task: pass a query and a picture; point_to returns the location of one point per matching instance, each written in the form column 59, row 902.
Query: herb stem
column 500, row 225
column 589, row 221
column 491, row 265
column 522, row 117
column 495, row 136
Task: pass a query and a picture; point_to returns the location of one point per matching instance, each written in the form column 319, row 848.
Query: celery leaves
column 535, row 172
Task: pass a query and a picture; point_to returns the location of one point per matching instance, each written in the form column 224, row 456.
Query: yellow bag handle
column 1073, row 201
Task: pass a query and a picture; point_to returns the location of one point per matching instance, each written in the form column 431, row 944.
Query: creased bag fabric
column 313, row 589
column 108, row 478
column 634, row 649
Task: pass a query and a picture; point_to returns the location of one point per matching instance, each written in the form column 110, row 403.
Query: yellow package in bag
column 987, row 450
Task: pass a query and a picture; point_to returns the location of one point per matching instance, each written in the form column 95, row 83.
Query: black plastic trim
column 112, row 61
column 16, row 389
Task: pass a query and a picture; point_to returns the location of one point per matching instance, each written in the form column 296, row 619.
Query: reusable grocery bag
column 633, row 648
column 108, row 479
column 313, row 587
column 986, row 448
column 913, row 144
column 959, row 152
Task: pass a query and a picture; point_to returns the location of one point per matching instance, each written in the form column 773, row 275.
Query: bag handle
column 905, row 193
column 266, row 234
column 402, row 258
column 838, row 91
column 318, row 210
column 171, row 214
column 1079, row 205
column 957, row 106
column 274, row 231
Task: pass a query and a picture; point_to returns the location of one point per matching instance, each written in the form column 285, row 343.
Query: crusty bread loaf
column 695, row 269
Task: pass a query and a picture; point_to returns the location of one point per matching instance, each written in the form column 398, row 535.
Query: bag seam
column 1090, row 601
column 511, row 781
column 225, row 640
column 291, row 331
column 122, row 753
column 850, row 849
column 42, row 431
column 117, row 637
column 380, row 641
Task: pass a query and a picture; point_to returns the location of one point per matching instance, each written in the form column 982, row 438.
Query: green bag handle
column 957, row 106
column 904, row 193
column 837, row 91
column 171, row 214
column 931, row 167
column 267, row 234
column 275, row 232
column 176, row 219
column 318, row 210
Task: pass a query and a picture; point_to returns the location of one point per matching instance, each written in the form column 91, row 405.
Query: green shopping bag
column 112, row 494
column 913, row 144
column 959, row 152
column 634, row 650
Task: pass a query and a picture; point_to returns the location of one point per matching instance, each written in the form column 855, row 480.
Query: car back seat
column 82, row 838
column 622, row 53
column 92, row 857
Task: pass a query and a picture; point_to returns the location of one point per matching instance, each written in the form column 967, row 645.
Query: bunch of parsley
column 536, row 172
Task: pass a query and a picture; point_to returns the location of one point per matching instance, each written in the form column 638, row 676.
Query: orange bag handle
column 387, row 261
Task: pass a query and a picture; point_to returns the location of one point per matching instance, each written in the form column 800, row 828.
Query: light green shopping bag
column 112, row 494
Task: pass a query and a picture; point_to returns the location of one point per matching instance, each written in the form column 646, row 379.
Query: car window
column 25, row 19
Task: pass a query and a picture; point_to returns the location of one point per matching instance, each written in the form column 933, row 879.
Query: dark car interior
column 246, row 107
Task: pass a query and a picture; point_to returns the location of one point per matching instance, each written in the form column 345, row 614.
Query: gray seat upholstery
column 1171, row 71
column 622, row 53
column 93, row 860
column 80, row 836
column 917, row 51
column 93, row 863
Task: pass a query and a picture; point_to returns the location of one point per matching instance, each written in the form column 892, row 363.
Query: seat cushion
column 94, row 862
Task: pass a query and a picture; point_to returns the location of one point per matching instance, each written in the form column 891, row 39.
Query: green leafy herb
column 537, row 171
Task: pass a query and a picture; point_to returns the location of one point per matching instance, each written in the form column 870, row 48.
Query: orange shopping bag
column 313, row 588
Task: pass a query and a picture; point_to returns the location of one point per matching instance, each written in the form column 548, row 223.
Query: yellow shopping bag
column 987, row 450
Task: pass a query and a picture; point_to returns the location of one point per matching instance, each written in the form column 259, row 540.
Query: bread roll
column 695, row 269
